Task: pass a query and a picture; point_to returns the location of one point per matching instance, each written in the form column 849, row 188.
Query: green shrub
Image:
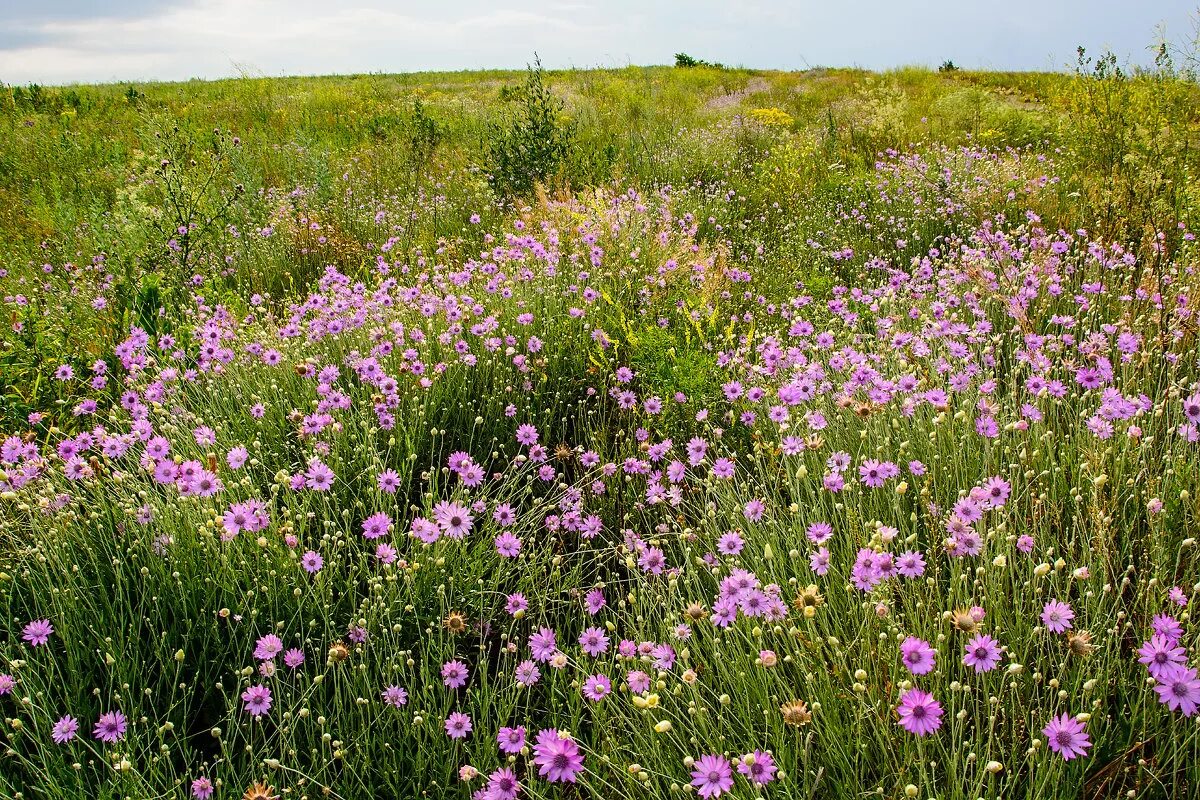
column 531, row 145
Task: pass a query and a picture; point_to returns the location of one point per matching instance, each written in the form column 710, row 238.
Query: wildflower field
column 640, row 433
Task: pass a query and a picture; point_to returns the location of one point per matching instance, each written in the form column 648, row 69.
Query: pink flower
column 110, row 728
column 712, row 776
column 458, row 725
column 257, row 700
column 394, row 696
column 202, row 788
column 919, row 713
column 594, row 642
column 1179, row 688
column 982, row 653
column 597, row 687
column 1066, row 737
column 454, row 674
column 759, row 767
column 558, row 759
column 1057, row 616
column 38, row 632
column 65, row 729
column 511, row 740
column 917, row 655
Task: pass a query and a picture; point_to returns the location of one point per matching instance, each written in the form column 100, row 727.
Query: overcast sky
column 63, row 41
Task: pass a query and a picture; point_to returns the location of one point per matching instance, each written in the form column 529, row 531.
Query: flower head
column 982, row 653
column 919, row 713
column 1066, row 737
column 917, row 655
column 110, row 728
column 1057, row 616
column 712, row 776
column 511, row 740
column 38, row 632
column 395, row 696
column 458, row 725
column 759, row 767
column 257, row 700
column 202, row 788
column 1179, row 688
column 557, row 757
column 65, row 729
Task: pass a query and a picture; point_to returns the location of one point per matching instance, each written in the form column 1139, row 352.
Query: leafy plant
column 684, row 60
column 532, row 144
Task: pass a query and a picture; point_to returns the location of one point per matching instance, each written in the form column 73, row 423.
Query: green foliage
column 1134, row 134
column 424, row 133
column 531, row 146
column 672, row 360
column 686, row 61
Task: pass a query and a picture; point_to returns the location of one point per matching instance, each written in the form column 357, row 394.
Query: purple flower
column 110, row 728
column 508, row 545
column 1057, row 616
column 527, row 673
column 502, row 785
column 389, row 481
column 712, row 776
column 394, row 696
column 453, row 519
column 454, row 674
column 759, row 767
column 38, row 632
column 754, row 510
column 319, row 477
column 730, row 544
column 594, row 642
column 910, row 564
column 268, row 647
column 511, row 740
column 558, row 759
column 819, row 561
column 1160, row 654
column 982, row 653
column 597, row 687
column 1179, row 688
column 919, row 713
column 819, row 532
column 1066, row 737
column 376, row 526
column 458, row 725
column 257, row 700
column 65, row 729
column 594, row 601
column 1167, row 627
column 917, row 655
column 202, row 788
column 515, row 603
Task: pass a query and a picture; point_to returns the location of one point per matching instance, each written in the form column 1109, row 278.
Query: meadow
column 632, row 433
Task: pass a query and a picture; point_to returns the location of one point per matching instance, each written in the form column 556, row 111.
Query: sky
column 85, row 41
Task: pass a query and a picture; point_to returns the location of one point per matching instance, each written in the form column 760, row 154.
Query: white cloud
column 86, row 40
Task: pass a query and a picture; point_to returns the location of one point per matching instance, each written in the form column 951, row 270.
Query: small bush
column 532, row 144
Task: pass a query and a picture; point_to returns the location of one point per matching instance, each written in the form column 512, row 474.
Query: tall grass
column 781, row 376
